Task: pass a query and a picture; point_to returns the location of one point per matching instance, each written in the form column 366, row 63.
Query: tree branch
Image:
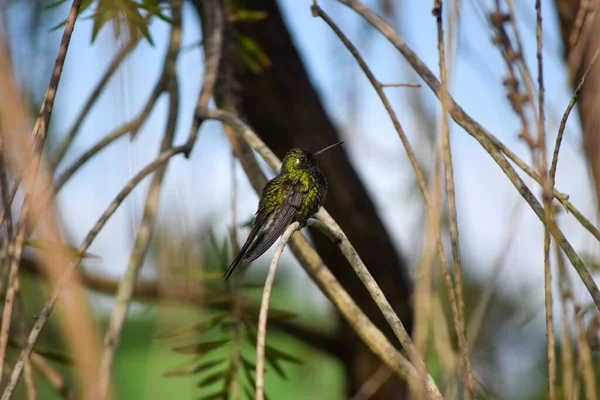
column 486, row 139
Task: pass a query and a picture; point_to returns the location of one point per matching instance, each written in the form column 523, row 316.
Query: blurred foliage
column 121, row 13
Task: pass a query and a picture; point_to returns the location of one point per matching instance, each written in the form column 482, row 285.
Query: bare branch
column 483, row 137
column 40, row 129
column 85, row 110
column 144, row 234
column 264, row 310
column 47, row 309
column 212, row 33
column 469, row 382
column 315, row 267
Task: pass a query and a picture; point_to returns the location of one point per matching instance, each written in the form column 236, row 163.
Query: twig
column 468, row 381
column 584, row 7
column 62, row 148
column 54, row 379
column 407, row 85
column 236, row 307
column 483, row 137
column 42, row 122
column 509, row 55
column 315, row 267
column 47, row 309
column 547, row 200
column 144, row 234
column 565, row 117
column 264, row 310
column 567, row 359
column 212, row 34
column 373, row 384
column 586, row 364
column 366, row 278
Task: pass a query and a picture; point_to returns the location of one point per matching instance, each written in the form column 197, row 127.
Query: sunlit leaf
column 201, row 348
column 252, row 55
column 241, row 15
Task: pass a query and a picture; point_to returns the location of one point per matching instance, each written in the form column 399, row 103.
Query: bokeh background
column 501, row 239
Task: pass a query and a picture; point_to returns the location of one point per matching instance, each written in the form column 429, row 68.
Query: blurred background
column 298, row 86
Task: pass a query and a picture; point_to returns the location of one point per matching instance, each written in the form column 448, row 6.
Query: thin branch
column 368, row 389
column 547, row 200
column 236, row 307
column 53, row 377
column 483, row 137
column 42, row 122
column 264, row 311
column 565, row 117
column 351, row 255
column 62, row 148
column 468, row 381
column 315, row 267
column 567, row 358
column 47, row 309
column 586, row 363
column 406, row 85
column 144, row 234
column 212, row 34
column 584, row 8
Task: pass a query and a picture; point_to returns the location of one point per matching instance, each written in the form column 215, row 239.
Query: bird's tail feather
column 241, row 254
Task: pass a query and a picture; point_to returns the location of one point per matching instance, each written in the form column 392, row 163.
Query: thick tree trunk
column 578, row 60
column 284, row 108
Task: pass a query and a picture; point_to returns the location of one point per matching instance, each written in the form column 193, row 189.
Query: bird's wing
column 276, row 223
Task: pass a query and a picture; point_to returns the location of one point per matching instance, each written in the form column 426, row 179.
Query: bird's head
column 298, row 159
column 302, row 160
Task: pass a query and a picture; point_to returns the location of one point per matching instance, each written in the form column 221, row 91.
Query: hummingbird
column 295, row 194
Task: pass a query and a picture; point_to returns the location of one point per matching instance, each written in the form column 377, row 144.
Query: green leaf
column 274, row 313
column 200, row 327
column 241, row 15
column 252, row 55
column 223, row 394
column 212, row 378
column 249, row 366
column 201, row 348
column 273, row 356
column 192, row 369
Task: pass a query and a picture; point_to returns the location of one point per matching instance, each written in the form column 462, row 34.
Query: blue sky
column 198, row 190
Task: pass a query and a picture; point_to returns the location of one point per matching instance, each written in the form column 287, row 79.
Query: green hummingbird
column 295, row 194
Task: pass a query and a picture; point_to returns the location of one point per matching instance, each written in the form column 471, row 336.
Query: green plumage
column 295, row 194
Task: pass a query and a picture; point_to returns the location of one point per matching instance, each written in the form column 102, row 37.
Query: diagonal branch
column 480, row 134
column 39, row 130
column 212, row 34
column 264, row 310
column 328, row 284
column 459, row 325
column 144, row 234
column 44, row 314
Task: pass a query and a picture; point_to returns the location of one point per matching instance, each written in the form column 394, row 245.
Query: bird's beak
column 329, row 147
